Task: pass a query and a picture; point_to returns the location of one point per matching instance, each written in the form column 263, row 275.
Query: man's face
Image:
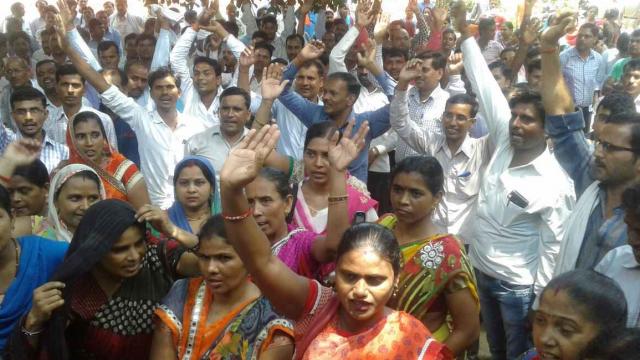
column 448, row 42
column 329, row 41
column 502, row 81
column 45, row 41
column 634, row 47
column 165, row 93
column 229, row 59
column 430, row 77
column 631, row 82
column 42, row 6
column 534, row 79
column 29, row 116
column 21, row 47
column 393, row 65
column 456, row 121
column 262, row 59
column 96, row 30
column 526, row 127
column 17, row 73
column 507, row 56
column 205, row 79
column 46, row 75
column 108, row 8
column 109, row 58
column 363, row 77
column 103, row 18
column 70, row 90
column 336, row 97
column 340, row 29
column 121, row 6
column 234, row 114
column 488, row 33
column 145, row 48
column 308, row 83
column 400, row 39
column 83, row 4
column 506, row 32
column 18, row 10
column 138, row 76
column 615, row 165
column 131, row 49
column 270, row 29
column 586, row 40
column 633, row 233
column 293, row 48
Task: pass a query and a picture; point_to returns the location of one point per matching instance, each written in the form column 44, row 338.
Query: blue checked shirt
column 575, row 155
column 583, row 77
column 51, row 155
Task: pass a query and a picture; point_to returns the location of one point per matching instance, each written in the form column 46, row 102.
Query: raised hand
column 246, row 159
column 46, row 299
column 459, row 17
column 380, row 30
column 246, row 58
column 369, row 58
column 343, row 152
column 22, row 152
column 411, row 71
column 560, row 28
column 65, row 14
column 272, row 85
column 364, row 14
column 306, row 6
column 157, row 217
column 529, row 31
column 436, row 18
column 455, row 64
column 312, row 50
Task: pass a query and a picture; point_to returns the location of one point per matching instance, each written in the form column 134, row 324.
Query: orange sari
column 119, row 176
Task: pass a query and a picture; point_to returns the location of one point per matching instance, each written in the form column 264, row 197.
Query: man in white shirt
column 38, row 24
column 124, row 22
column 269, row 24
column 524, row 201
column 491, row 49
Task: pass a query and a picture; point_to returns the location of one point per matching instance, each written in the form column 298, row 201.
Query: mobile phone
column 359, row 218
column 517, row 199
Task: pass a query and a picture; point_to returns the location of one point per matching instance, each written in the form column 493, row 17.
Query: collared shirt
column 293, row 143
column 515, row 243
column 280, row 42
column 463, row 171
column 57, row 122
column 36, row 26
column 621, row 265
column 127, row 24
column 309, row 113
column 51, row 153
column 575, row 155
column 5, row 104
column 426, row 114
column 374, row 100
column 492, row 51
column 583, row 76
column 160, row 147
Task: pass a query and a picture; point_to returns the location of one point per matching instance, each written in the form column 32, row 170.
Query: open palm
column 560, row 27
column 343, row 152
column 271, row 85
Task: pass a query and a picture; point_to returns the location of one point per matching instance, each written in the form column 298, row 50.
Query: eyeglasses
column 450, row 116
column 609, row 148
column 33, row 111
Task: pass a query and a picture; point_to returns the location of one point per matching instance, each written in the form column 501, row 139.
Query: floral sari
column 432, row 267
column 397, row 335
column 244, row 333
column 119, row 176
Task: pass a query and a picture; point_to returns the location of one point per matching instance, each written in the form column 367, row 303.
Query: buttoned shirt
column 280, row 42
column 126, row 24
column 51, row 152
column 463, row 170
column 492, row 51
column 160, row 147
column 425, row 114
column 509, row 242
column 374, row 100
column 575, row 155
column 57, row 122
column 36, row 26
column 621, row 265
column 583, row 76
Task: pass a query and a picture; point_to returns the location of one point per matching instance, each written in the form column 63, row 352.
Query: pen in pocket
column 464, row 174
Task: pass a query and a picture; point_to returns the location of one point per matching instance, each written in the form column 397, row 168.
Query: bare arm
column 286, row 290
column 271, row 88
column 162, row 343
column 465, row 313
column 139, row 195
column 556, row 97
column 244, row 65
column 528, row 35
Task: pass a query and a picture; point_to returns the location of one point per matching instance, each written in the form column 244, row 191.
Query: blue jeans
column 504, row 308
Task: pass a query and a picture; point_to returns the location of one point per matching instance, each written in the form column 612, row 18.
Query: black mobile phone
column 517, row 198
column 359, row 218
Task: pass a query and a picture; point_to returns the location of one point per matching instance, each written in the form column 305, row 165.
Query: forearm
column 161, row 51
column 338, row 220
column 556, row 97
column 87, row 72
column 263, row 115
column 243, row 78
column 180, row 54
column 78, row 44
column 7, row 167
column 339, row 52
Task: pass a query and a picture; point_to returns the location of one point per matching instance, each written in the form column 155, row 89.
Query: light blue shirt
column 621, row 265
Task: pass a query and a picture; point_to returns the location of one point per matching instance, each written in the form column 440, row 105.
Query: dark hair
column 394, row 52
column 265, row 46
column 85, row 116
column 26, row 93
column 625, row 345
column 486, row 24
column 268, row 19
column 504, row 69
column 427, row 166
column 632, row 65
column 106, row 45
column 130, row 37
column 94, row 22
column 534, row 65
column 279, row 179
column 322, row 130
column 295, row 36
column 67, row 69
column 162, row 73
column 314, row 63
column 259, row 34
column 465, row 99
column 211, row 62
column 14, row 36
column 622, row 44
column 374, row 236
column 5, row 200
column 353, row 86
column 144, row 36
column 617, row 102
column 35, row 173
column 591, row 292
column 593, row 28
column 530, row 97
column 134, row 62
column 438, row 61
column 632, row 119
column 213, row 227
column 46, row 61
column 234, row 90
column 635, row 33
column 124, row 79
column 280, row 61
column 631, row 200
column 84, row 174
column 231, row 27
column 448, row 31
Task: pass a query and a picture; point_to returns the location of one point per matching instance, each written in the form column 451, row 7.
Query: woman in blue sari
column 194, row 181
column 25, row 263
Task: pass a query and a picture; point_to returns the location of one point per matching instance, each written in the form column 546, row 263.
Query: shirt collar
column 466, row 148
column 414, row 92
column 575, row 53
column 541, row 163
column 629, row 262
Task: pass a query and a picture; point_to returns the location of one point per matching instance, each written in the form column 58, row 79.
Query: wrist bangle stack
column 240, row 217
column 31, row 333
column 337, row 199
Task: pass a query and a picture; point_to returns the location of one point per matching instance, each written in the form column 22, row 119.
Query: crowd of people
column 313, row 180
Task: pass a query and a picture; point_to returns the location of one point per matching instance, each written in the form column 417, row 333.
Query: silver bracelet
column 31, row 333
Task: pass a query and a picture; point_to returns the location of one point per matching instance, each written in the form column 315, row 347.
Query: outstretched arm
column 286, row 290
column 556, row 97
column 271, row 88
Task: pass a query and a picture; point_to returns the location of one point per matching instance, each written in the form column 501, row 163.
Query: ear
column 351, row 99
column 438, row 197
column 440, row 73
column 288, row 205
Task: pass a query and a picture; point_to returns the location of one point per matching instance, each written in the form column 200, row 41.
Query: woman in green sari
column 436, row 285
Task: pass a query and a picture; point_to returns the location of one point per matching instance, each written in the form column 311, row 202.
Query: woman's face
column 27, row 198
column 560, row 329
column 125, row 258
column 316, row 160
column 6, row 227
column 76, row 195
column 90, row 139
column 269, row 208
column 220, row 266
column 193, row 190
column 411, row 200
column 364, row 283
